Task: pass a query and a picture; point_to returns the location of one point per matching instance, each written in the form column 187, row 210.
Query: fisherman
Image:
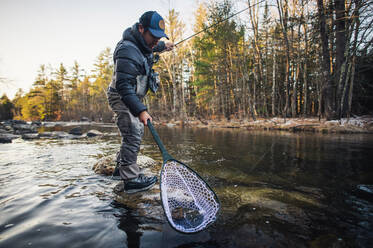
column 133, row 76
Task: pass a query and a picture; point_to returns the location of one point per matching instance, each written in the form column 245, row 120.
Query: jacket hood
column 132, row 34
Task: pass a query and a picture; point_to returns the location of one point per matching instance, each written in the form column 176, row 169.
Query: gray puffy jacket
column 133, row 61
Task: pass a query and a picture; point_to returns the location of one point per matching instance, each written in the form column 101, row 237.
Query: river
column 277, row 189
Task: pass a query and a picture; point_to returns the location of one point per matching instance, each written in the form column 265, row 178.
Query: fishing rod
column 215, row 24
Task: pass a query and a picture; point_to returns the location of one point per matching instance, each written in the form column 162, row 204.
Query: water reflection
column 130, row 225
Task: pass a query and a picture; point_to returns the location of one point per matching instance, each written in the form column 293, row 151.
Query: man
column 133, row 76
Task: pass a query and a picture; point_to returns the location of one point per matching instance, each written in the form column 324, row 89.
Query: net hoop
column 166, row 208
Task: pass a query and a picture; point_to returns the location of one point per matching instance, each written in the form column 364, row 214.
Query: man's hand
column 144, row 116
column 169, row 46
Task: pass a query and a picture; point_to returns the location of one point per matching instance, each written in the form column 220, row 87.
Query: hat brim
column 158, row 33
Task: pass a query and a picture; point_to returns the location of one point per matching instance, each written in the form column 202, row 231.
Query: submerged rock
column 365, row 191
column 7, row 137
column 76, row 131
column 59, row 135
column 30, row 136
column 146, row 203
column 93, row 133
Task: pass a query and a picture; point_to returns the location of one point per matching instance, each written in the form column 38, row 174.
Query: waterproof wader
column 131, row 130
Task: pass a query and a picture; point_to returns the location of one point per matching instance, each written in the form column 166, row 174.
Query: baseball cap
column 154, row 23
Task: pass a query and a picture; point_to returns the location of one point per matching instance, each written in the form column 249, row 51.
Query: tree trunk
column 353, row 64
column 341, row 49
column 274, row 84
column 354, row 47
column 326, row 89
column 283, row 13
column 305, row 78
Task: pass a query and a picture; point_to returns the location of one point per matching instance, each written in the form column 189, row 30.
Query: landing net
column 189, row 203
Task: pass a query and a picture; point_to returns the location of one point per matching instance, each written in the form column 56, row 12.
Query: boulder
column 147, row 203
column 106, row 165
column 24, row 128
column 93, row 133
column 76, row 131
column 84, row 119
column 56, row 135
column 30, row 136
column 365, row 191
column 12, row 122
column 36, row 123
column 7, row 137
column 3, row 130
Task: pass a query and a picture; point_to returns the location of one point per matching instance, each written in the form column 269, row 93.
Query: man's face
column 150, row 40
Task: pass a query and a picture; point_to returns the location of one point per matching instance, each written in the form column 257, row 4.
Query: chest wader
column 130, row 127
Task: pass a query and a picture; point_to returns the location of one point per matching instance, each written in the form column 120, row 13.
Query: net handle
column 163, row 150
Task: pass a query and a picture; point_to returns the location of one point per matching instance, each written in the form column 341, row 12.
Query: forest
column 278, row 58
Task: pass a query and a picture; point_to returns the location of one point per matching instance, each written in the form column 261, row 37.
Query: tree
column 103, row 71
column 6, row 108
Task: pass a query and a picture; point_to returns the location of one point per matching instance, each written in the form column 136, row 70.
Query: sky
column 50, row 32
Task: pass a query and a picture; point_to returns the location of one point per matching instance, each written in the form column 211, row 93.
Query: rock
column 30, row 136
column 48, row 135
column 93, row 133
column 36, row 123
column 7, row 137
column 112, row 135
column 365, row 191
column 2, row 130
column 84, row 119
column 24, row 128
column 170, row 124
column 147, row 203
column 55, row 135
column 13, row 122
column 49, row 124
column 76, row 131
column 106, row 165
column 5, row 127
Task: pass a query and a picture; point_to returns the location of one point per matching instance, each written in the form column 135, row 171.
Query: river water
column 277, row 189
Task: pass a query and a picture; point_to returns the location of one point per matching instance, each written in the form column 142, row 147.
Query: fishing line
column 215, row 24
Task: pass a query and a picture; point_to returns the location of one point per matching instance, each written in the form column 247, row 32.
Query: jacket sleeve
column 128, row 66
column 160, row 47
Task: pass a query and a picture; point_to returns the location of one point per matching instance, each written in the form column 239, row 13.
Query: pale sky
column 35, row 32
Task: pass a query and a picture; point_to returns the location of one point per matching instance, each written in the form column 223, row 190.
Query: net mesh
column 189, row 204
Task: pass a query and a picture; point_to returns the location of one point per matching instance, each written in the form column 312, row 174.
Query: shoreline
column 356, row 125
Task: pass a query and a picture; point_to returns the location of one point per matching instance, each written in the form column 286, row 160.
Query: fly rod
column 215, row 24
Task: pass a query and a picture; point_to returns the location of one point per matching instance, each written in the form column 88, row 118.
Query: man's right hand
column 169, row 46
column 144, row 117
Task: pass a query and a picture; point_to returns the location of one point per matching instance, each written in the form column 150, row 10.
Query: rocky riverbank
column 363, row 124
column 14, row 129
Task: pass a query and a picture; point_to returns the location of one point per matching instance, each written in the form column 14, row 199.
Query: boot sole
column 131, row 191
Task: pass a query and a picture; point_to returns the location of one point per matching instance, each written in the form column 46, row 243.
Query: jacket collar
column 132, row 34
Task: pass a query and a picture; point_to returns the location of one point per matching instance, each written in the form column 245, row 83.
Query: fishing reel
column 156, row 58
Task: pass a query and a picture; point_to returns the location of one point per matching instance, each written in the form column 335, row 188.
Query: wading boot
column 140, row 183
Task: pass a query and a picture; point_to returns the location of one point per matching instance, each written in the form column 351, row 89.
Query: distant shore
column 363, row 124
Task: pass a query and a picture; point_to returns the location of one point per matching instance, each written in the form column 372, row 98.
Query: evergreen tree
column 6, row 108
